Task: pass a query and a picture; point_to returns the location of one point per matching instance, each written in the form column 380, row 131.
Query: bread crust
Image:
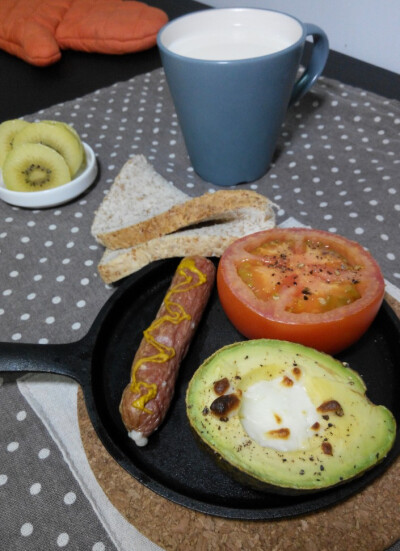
column 208, row 241
column 220, row 205
column 145, row 218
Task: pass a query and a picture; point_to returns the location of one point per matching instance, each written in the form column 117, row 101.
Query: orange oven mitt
column 37, row 30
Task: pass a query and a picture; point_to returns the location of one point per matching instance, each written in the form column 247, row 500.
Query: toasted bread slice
column 137, row 194
column 144, row 218
column 217, row 206
column 141, row 205
column 206, row 240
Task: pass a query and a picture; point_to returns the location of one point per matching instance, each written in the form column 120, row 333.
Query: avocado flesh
column 347, row 442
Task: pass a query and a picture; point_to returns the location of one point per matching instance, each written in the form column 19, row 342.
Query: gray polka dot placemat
column 336, row 168
column 36, row 485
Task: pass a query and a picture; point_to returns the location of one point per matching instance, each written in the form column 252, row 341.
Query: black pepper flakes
column 306, row 291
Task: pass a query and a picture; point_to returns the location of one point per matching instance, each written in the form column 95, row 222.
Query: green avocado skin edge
column 346, row 441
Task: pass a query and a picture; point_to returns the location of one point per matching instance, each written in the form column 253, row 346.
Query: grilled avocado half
column 285, row 417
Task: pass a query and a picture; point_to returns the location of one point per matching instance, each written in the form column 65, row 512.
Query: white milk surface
column 228, row 46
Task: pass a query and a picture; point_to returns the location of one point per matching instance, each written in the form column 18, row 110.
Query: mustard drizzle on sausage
column 175, row 314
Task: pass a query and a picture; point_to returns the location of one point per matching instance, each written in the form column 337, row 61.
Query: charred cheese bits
column 284, row 417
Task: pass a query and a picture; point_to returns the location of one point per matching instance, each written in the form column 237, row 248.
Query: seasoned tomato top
column 301, row 277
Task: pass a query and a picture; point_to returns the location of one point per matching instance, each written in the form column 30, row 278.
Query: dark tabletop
column 26, row 89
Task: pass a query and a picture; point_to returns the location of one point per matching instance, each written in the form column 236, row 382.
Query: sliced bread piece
column 219, row 206
column 205, row 240
column 137, row 194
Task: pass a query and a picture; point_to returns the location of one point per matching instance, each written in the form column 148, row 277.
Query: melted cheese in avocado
column 278, row 415
column 338, row 436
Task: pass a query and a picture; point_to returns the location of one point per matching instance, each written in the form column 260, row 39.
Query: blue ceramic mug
column 232, row 75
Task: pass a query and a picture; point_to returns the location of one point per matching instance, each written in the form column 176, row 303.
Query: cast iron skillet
column 172, row 464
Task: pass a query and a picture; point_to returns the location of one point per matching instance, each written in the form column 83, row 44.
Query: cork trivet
column 368, row 521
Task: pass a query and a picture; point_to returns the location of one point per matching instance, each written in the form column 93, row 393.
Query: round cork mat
column 368, row 521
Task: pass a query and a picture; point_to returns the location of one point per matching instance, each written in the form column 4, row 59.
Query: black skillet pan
column 172, row 464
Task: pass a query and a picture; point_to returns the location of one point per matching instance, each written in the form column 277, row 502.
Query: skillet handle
column 71, row 360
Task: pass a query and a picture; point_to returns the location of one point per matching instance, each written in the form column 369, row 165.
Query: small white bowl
column 58, row 195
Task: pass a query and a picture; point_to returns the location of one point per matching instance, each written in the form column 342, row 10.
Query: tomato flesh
column 323, row 278
column 307, row 286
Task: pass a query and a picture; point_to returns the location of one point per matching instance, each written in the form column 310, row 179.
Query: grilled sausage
column 165, row 342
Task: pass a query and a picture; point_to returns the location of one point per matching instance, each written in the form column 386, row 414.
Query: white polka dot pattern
column 335, row 168
column 43, row 504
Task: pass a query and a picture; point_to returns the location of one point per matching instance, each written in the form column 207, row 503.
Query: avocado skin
column 249, row 481
column 297, row 472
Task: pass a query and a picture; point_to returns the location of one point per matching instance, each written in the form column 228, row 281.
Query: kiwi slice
column 8, row 130
column 70, row 129
column 57, row 137
column 34, row 167
column 64, row 125
column 74, row 133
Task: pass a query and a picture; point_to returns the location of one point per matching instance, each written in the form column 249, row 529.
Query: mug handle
column 316, row 64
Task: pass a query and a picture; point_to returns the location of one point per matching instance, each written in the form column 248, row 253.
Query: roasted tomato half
column 300, row 285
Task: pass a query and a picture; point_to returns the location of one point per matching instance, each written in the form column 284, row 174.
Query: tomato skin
column 329, row 332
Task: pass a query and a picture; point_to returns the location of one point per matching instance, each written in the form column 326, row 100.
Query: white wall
column 365, row 29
